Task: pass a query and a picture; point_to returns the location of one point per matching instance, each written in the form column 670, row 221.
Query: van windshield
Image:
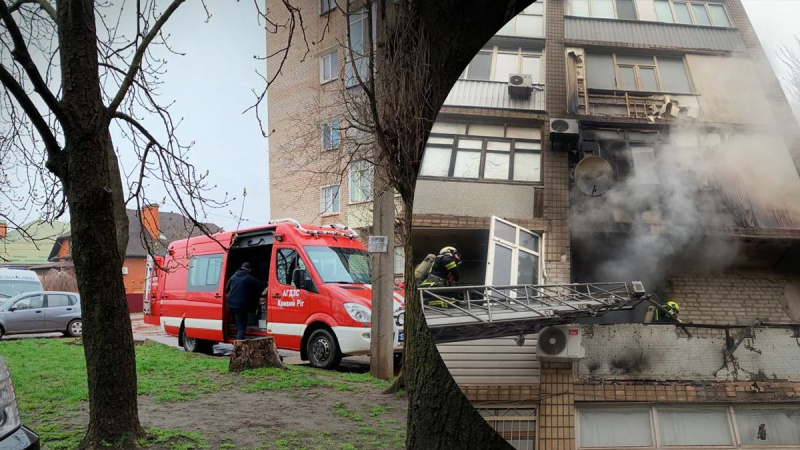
column 340, row 265
column 10, row 288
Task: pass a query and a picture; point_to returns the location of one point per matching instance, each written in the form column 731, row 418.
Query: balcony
column 493, row 94
column 637, row 105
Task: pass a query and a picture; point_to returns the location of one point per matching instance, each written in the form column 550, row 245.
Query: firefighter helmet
column 452, row 252
column 674, row 306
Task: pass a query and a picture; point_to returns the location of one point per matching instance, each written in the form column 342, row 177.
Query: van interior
column 256, row 249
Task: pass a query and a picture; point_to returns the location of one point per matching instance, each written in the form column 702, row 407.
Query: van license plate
column 400, row 336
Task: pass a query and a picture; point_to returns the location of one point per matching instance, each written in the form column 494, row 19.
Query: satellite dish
column 593, row 176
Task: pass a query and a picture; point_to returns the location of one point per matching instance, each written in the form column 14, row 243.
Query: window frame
column 322, row 65
column 323, row 200
column 350, row 181
column 484, row 151
column 299, row 264
column 331, row 6
column 522, row 52
column 630, row 143
column 70, row 300
column 513, row 22
column 690, row 3
column 613, row 7
column 330, row 126
column 351, row 65
column 637, row 78
column 28, row 297
column 205, row 287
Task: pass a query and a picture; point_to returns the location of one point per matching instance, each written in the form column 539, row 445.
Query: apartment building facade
column 645, row 85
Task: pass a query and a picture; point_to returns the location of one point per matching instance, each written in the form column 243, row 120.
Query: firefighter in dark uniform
column 443, row 272
column 662, row 317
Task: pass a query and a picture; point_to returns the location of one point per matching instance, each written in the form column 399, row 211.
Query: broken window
column 630, row 153
column 637, row 73
column 708, row 13
column 782, row 426
column 483, row 151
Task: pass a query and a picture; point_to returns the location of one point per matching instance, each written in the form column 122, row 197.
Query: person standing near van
column 243, row 291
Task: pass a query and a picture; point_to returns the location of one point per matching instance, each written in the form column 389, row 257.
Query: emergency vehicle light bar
column 466, row 313
column 348, row 234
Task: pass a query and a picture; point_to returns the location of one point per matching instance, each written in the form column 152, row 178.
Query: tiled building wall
column 556, row 418
column 687, row 392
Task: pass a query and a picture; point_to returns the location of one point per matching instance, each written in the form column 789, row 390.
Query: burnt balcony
column 493, row 94
column 638, row 105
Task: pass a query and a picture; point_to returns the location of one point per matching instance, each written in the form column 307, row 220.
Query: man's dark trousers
column 241, row 322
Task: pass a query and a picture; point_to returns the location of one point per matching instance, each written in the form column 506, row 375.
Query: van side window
column 32, row 302
column 57, row 300
column 286, row 261
column 204, row 273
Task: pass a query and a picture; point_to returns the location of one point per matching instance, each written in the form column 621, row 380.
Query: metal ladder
column 465, row 313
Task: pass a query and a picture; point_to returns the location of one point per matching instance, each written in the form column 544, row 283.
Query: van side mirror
column 299, row 279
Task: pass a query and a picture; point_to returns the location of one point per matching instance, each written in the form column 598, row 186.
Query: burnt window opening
column 632, row 154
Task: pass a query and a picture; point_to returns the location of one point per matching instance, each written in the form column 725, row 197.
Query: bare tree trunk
column 110, row 356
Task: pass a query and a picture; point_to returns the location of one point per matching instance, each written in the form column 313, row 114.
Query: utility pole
column 381, row 361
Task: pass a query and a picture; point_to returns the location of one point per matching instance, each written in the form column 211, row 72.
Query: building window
column 637, row 73
column 630, row 153
column 330, row 135
column 530, row 22
column 692, row 13
column 361, row 173
column 329, row 199
column 691, row 426
column 516, row 425
column 482, row 151
column 359, row 44
column 326, row 5
column 498, row 63
column 604, row 9
column 204, row 273
column 329, row 66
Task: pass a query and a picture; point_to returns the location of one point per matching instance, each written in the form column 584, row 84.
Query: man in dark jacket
column 243, row 291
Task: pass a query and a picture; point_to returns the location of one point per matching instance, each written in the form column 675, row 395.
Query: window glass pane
column 474, row 144
column 204, row 273
column 526, row 133
column 57, row 300
column 530, row 66
column 486, row 130
column 449, row 128
column 627, row 81
column 664, row 12
column 603, row 9
column 615, row 428
column 694, row 427
column 636, row 59
column 480, row 67
column 505, row 231
column 467, row 164
column 530, row 25
column 508, row 28
column 718, row 15
column 286, row 262
column 360, row 181
column 648, row 78
column 399, row 260
column 34, row 302
column 501, row 273
column 625, row 10
column 600, row 71
column 526, row 167
column 673, row 76
column 700, row 14
column 528, row 240
column 580, row 8
column 535, row 8
column 527, row 268
column 503, row 146
column 682, row 10
column 214, row 270
column 440, row 140
column 435, row 162
column 496, row 166
column 783, row 426
column 524, row 145
column 506, row 65
column 604, row 134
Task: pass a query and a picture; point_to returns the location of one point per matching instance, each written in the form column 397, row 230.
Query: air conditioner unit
column 564, row 133
column 520, row 85
column 560, row 343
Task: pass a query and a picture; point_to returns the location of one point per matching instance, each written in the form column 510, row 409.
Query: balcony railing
column 493, row 94
column 640, row 105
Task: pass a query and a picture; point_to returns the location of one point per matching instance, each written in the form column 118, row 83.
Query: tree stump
column 255, row 353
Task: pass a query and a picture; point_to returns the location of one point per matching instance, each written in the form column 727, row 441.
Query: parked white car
column 41, row 312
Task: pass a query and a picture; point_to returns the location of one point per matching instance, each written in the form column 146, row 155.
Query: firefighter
column 443, row 272
column 671, row 316
column 243, row 291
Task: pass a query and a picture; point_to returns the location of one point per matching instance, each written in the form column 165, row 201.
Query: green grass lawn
column 50, row 380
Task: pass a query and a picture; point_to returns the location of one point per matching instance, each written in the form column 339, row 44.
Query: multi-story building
column 700, row 156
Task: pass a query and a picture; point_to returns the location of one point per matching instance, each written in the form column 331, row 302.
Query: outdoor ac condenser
column 560, row 343
column 520, row 85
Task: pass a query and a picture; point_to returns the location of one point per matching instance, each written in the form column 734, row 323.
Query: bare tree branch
column 44, row 4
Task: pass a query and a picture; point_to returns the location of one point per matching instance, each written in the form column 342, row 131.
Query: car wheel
column 2, row 332
column 398, row 361
column 75, row 328
column 322, row 350
column 194, row 345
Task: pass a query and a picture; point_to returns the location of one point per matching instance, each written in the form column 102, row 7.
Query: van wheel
column 75, row 328
column 193, row 345
column 322, row 350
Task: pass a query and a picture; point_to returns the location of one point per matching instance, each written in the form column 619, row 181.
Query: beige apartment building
column 677, row 97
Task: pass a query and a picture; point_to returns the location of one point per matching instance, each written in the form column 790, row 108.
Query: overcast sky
column 211, row 86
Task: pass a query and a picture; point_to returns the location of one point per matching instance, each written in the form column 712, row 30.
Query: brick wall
column 689, row 392
column 556, row 421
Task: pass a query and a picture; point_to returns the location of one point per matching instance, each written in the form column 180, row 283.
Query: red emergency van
column 318, row 300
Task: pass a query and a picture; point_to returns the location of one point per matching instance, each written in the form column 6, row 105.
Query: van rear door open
column 204, row 286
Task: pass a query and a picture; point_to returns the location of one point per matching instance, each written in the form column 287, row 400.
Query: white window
column 326, row 5
column 530, row 22
column 329, row 133
column 399, row 260
column 483, row 151
column 329, row 199
column 361, row 173
column 637, row 73
column 329, row 66
column 692, row 13
column 513, row 255
column 687, row 426
column 517, row 425
column 496, row 63
column 603, row 9
column 359, row 44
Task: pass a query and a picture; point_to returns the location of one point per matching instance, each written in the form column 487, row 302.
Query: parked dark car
column 13, row 435
column 41, row 312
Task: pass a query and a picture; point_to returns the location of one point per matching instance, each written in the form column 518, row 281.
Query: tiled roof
column 31, row 244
